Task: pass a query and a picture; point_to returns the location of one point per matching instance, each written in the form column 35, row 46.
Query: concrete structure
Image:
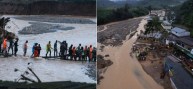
column 179, row 32
column 166, row 25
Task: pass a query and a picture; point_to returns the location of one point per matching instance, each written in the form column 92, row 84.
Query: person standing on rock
column 16, row 46
column 55, row 49
column 10, row 45
column 25, row 48
column 48, row 48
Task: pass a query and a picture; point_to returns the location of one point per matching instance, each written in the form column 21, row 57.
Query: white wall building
column 179, row 32
column 166, row 25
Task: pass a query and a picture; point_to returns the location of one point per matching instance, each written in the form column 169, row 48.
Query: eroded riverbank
column 126, row 72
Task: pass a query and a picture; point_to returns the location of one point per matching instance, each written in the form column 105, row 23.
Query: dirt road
column 126, row 72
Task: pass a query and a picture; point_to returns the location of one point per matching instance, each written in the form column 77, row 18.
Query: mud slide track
column 126, row 72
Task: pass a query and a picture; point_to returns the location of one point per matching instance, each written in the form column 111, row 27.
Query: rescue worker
column 48, row 48
column 5, row 45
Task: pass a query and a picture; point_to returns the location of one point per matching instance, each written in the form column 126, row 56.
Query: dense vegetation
column 156, row 4
column 109, row 15
column 184, row 15
column 48, row 7
column 31, row 1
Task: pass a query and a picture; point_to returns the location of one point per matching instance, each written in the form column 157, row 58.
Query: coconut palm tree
column 3, row 23
column 153, row 26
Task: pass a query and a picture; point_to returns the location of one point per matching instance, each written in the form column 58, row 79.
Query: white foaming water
column 48, row 70
column 83, row 33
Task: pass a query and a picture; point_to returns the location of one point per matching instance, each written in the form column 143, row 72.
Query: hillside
column 49, row 7
column 143, row 3
column 184, row 14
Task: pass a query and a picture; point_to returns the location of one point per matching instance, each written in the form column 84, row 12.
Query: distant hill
column 49, row 7
column 105, row 4
column 143, row 3
column 184, row 14
column 161, row 3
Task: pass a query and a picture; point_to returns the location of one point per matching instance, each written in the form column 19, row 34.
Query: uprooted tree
column 3, row 32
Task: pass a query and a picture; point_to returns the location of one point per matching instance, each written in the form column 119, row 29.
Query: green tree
column 3, row 23
column 153, row 26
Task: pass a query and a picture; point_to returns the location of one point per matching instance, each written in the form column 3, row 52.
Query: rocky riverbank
column 56, row 19
column 40, row 28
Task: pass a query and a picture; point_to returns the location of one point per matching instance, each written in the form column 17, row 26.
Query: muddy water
column 126, row 72
column 47, row 70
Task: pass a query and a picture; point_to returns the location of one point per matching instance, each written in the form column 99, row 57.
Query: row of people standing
column 13, row 46
column 72, row 53
column 82, row 53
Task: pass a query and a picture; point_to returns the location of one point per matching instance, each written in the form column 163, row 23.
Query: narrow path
column 126, row 72
column 105, row 28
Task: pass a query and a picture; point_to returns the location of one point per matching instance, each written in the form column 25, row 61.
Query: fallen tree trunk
column 39, row 81
column 25, row 78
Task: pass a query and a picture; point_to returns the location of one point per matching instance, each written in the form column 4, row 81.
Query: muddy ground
column 114, row 42
column 153, row 64
column 113, row 34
